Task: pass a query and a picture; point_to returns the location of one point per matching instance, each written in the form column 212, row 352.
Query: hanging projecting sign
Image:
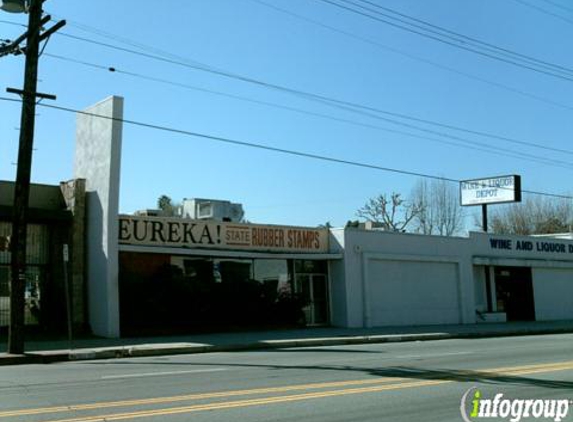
column 494, row 190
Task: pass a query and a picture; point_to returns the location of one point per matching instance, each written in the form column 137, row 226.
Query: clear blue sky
column 390, row 71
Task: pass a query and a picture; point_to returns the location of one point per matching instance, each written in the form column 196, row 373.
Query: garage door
column 413, row 293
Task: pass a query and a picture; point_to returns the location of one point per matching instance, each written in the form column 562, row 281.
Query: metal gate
column 37, row 260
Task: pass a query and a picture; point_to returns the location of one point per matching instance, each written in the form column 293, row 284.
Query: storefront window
column 32, row 295
column 233, row 270
column 273, row 273
column 189, row 293
column 312, row 285
column 310, row 267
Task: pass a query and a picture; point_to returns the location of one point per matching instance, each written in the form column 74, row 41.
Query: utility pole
column 22, row 187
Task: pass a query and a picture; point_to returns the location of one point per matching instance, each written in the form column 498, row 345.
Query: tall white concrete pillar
column 97, row 159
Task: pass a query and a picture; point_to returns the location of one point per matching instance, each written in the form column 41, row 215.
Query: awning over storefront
column 229, row 254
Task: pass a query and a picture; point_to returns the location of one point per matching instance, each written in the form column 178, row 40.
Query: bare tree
column 440, row 210
column 393, row 213
column 536, row 215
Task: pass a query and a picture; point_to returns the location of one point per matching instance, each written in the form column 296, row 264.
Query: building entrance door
column 314, row 291
column 514, row 290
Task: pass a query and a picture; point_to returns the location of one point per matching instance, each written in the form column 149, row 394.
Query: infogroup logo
column 475, row 407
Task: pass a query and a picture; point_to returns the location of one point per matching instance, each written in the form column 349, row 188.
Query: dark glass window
column 310, row 267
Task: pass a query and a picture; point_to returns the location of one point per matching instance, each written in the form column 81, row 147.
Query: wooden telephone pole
column 23, row 173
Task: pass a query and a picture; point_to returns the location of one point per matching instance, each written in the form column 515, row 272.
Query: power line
column 264, row 103
column 464, row 144
column 357, row 108
column 263, row 147
column 542, row 69
column 460, row 142
column 240, row 143
column 544, row 11
column 500, row 150
column 155, row 50
column 490, row 46
column 558, row 5
column 462, row 38
column 131, row 42
column 316, row 97
column 352, row 106
column 415, row 57
column 199, row 65
column 13, row 23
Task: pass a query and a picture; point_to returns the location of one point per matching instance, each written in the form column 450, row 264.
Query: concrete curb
column 7, row 359
column 165, row 349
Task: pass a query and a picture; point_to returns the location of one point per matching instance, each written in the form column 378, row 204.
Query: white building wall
column 97, row 159
column 404, row 279
column 553, row 293
column 337, row 280
column 480, row 289
column 212, row 209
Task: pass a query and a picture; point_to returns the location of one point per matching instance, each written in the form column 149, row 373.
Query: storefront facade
column 531, row 278
column 55, row 218
column 198, row 273
column 360, row 278
column 393, row 279
column 223, row 275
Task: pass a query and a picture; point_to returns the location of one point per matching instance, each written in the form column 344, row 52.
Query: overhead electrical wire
column 410, row 56
column 130, row 42
column 545, row 11
column 499, row 150
column 536, row 65
column 350, row 107
column 238, row 142
column 454, row 36
column 465, row 38
column 558, row 5
column 356, row 108
column 353, row 107
column 13, row 23
column 264, row 147
column 155, row 50
column 461, row 142
column 204, row 66
column 315, row 97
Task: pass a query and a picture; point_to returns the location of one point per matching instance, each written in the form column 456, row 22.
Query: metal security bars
column 37, row 260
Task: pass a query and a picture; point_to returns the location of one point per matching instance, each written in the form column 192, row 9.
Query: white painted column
column 98, row 158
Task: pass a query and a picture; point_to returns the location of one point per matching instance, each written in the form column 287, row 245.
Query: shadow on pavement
column 325, row 350
column 468, row 376
column 403, row 372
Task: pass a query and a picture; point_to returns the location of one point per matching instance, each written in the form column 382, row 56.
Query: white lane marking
column 432, row 355
column 159, row 374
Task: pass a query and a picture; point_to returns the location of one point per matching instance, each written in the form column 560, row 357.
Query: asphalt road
column 421, row 381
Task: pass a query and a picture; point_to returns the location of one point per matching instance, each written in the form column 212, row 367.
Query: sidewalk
column 101, row 348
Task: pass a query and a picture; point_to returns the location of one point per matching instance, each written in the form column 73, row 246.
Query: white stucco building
column 404, row 279
column 347, row 277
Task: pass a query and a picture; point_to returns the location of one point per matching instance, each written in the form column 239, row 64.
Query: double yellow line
column 360, row 387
